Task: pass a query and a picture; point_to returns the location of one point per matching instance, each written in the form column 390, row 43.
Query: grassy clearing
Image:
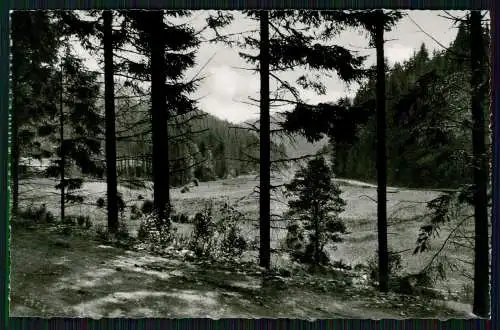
column 405, row 209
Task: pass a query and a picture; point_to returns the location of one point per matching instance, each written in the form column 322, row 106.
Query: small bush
column 121, row 203
column 88, row 223
column 395, row 265
column 147, row 207
column 122, row 231
column 340, row 264
column 254, row 243
column 309, row 256
column 294, row 241
column 38, row 214
column 360, row 267
column 66, row 230
column 49, row 217
column 82, row 220
column 415, row 284
column 146, row 227
column 204, row 227
column 70, row 220
column 180, row 218
column 100, row 202
column 233, row 244
column 467, row 293
column 101, row 232
column 157, row 237
column 135, row 213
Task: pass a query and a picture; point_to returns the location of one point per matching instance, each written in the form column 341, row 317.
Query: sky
column 226, row 88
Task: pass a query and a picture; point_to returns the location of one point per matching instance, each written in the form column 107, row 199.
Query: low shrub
column 395, row 266
column 233, row 243
column 70, row 220
column 38, row 214
column 202, row 241
column 83, row 221
column 340, row 264
column 214, row 235
column 135, row 212
column 180, row 218
column 156, row 234
column 467, row 293
column 122, row 232
column 100, row 202
column 101, row 232
column 147, row 207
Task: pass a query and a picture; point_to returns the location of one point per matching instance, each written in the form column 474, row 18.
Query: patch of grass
column 360, row 215
column 38, row 214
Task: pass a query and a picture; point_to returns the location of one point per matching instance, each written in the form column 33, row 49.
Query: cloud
column 230, row 82
column 225, row 88
column 227, row 109
column 398, row 53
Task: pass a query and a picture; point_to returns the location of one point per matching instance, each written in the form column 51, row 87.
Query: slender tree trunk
column 316, row 232
column 383, row 257
column 159, row 117
column 479, row 94
column 61, row 138
column 109, row 100
column 265, row 161
column 14, row 126
column 495, row 169
column 14, row 162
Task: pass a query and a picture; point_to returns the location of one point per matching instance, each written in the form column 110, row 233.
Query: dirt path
column 78, row 277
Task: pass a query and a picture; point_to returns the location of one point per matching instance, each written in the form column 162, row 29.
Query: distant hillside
column 296, row 146
column 214, row 149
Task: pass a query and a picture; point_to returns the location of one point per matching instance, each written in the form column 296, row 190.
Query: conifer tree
column 291, row 47
column 76, row 130
column 315, row 209
column 35, row 42
column 479, row 88
column 169, row 50
column 375, row 22
column 109, row 91
column 264, row 134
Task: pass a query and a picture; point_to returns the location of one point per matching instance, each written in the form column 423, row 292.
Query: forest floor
column 54, row 275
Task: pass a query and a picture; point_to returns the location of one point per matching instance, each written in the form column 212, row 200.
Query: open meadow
column 406, row 209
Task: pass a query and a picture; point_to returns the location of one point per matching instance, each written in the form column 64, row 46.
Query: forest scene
column 250, row 164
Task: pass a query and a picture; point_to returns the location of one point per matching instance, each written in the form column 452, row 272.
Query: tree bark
column 383, row 257
column 62, row 163
column 159, row 117
column 265, row 157
column 495, row 169
column 109, row 100
column 479, row 94
column 14, row 125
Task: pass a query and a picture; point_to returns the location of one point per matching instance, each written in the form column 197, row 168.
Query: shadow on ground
column 78, row 277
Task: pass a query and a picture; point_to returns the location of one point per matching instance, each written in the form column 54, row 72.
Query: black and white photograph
column 304, row 164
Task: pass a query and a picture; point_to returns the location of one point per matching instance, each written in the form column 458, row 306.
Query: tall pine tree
column 479, row 88
column 35, row 42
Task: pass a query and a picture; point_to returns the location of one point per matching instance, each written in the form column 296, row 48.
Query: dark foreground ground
column 56, row 276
